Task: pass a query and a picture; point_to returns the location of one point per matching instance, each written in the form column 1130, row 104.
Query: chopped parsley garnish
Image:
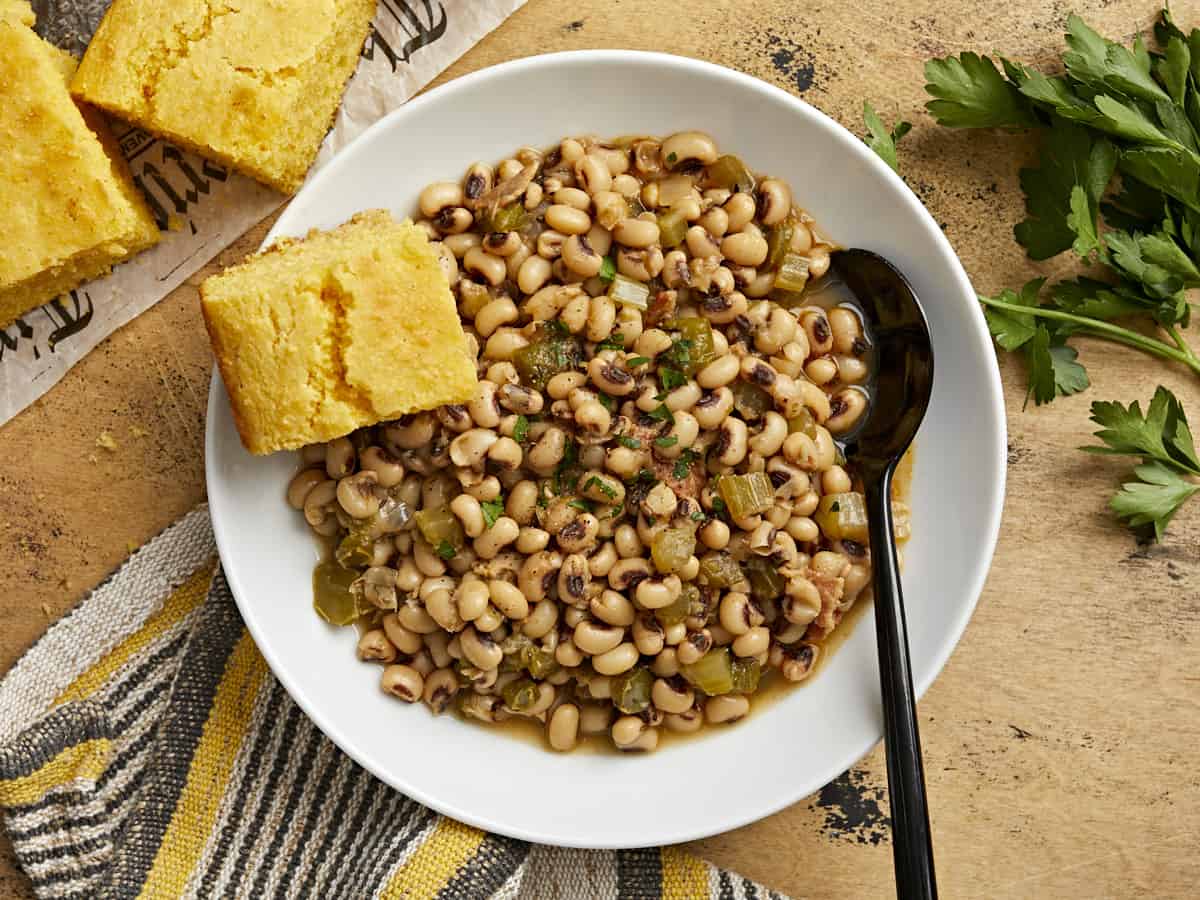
column 634, row 361
column 556, row 328
column 446, row 550
column 668, row 441
column 581, row 505
column 672, row 157
column 631, row 443
column 601, row 485
column 492, row 510
column 662, row 414
column 835, row 506
column 718, row 506
column 671, row 378
column 698, row 516
column 609, row 403
column 520, row 429
column 683, row 465
column 615, row 341
column 608, row 269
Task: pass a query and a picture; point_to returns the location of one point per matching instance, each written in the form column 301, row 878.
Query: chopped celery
column 720, row 570
column 750, row 400
column 792, row 274
column 357, row 548
column 538, row 661
column 631, row 691
column 332, row 597
column 672, row 226
column 546, row 357
column 746, row 673
column 746, row 495
column 680, row 609
column 628, row 292
column 519, row 695
column 672, row 548
column 765, row 581
column 803, row 421
column 777, row 243
column 711, row 673
column 439, row 526
column 843, row 516
column 730, row 172
column 697, row 331
column 507, row 218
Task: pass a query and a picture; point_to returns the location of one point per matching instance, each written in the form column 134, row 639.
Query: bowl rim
column 934, row 236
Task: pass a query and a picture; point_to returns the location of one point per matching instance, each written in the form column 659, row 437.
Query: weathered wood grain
column 1061, row 738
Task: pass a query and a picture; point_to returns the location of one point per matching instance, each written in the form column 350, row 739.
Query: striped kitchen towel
column 147, row 751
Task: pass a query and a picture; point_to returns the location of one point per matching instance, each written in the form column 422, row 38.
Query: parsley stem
column 1100, row 328
column 1180, row 342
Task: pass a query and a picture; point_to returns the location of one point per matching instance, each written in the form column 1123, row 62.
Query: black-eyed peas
column 635, row 341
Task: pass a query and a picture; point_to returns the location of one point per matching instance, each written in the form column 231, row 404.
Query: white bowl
column 731, row 775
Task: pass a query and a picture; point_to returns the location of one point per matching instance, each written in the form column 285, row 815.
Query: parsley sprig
column 879, row 139
column 1167, row 475
column 1116, row 112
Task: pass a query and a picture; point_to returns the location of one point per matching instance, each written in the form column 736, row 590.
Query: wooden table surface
column 1061, row 739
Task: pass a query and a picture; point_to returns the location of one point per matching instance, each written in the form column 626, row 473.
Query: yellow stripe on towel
column 86, row 760
column 434, row 863
column 185, row 598
column 208, row 776
column 683, row 875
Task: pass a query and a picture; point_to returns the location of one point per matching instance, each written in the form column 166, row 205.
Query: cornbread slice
column 345, row 328
column 68, row 208
column 253, row 85
column 19, row 10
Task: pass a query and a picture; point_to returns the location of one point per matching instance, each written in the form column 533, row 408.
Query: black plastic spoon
column 903, row 382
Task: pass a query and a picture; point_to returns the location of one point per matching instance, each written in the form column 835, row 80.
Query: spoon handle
column 912, row 845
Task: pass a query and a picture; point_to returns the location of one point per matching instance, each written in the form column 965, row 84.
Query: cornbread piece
column 253, row 85
column 345, row 328
column 68, row 209
column 17, row 9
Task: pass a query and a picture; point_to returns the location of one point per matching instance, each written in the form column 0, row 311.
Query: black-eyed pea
column 502, row 533
column 567, row 220
column 471, row 598
column 408, row 576
column 339, row 458
column 835, row 480
column 774, row 201
column 714, row 534
column 531, row 540
column 550, row 243
column 776, row 332
column 427, row 560
column 580, row 534
column 574, row 579
column 541, row 620
column 573, row 196
column 471, row 447
column 613, row 609
column 851, row 369
column 688, row 722
column 821, row 370
column 626, row 185
column 818, row 261
column 648, row 635
column 654, row 593
column 505, row 455
column 502, row 244
column 503, row 343
column 683, row 397
column 619, row 659
column 684, row 146
column 652, row 342
column 715, row 221
column 666, row 664
column 479, row 649
column 660, row 501
column 415, row 619
column 714, row 407
column 845, row 410
column 304, row 481
column 593, row 418
column 734, row 613
column 802, row 529
column 674, row 634
column 403, row 639
column 442, row 609
column 438, row 196
column 508, row 598
column 700, row 243
column 733, row 442
column 403, row 682
column 374, row 646
column 487, row 266
column 610, row 378
column 595, row 718
column 830, row 564
column 567, row 654
column 580, row 257
column 561, row 385
column 640, row 265
column 672, row 695
column 610, row 208
column 857, row 578
column 745, row 247
column 846, row 328
column 486, row 488
column 562, row 731
column 637, row 233
column 675, row 273
column 534, row 272
column 598, row 638
column 760, row 285
column 601, row 561
column 627, row 730
column 548, row 452
column 627, row 573
column 440, row 687
column 798, row 661
column 801, row 451
column 694, row 646
column 602, row 315
column 501, row 311
column 826, row 448
column 725, row 708
column 753, row 642
column 770, row 436
column 740, row 208
column 806, row 504
column 816, row 328
column 719, row 372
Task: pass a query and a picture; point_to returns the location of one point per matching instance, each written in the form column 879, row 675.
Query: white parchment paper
column 200, row 206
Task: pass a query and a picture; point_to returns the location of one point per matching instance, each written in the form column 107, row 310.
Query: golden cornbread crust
column 254, row 86
column 68, row 207
column 342, row 329
column 17, row 9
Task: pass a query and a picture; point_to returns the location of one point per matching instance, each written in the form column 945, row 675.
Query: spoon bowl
column 903, row 385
